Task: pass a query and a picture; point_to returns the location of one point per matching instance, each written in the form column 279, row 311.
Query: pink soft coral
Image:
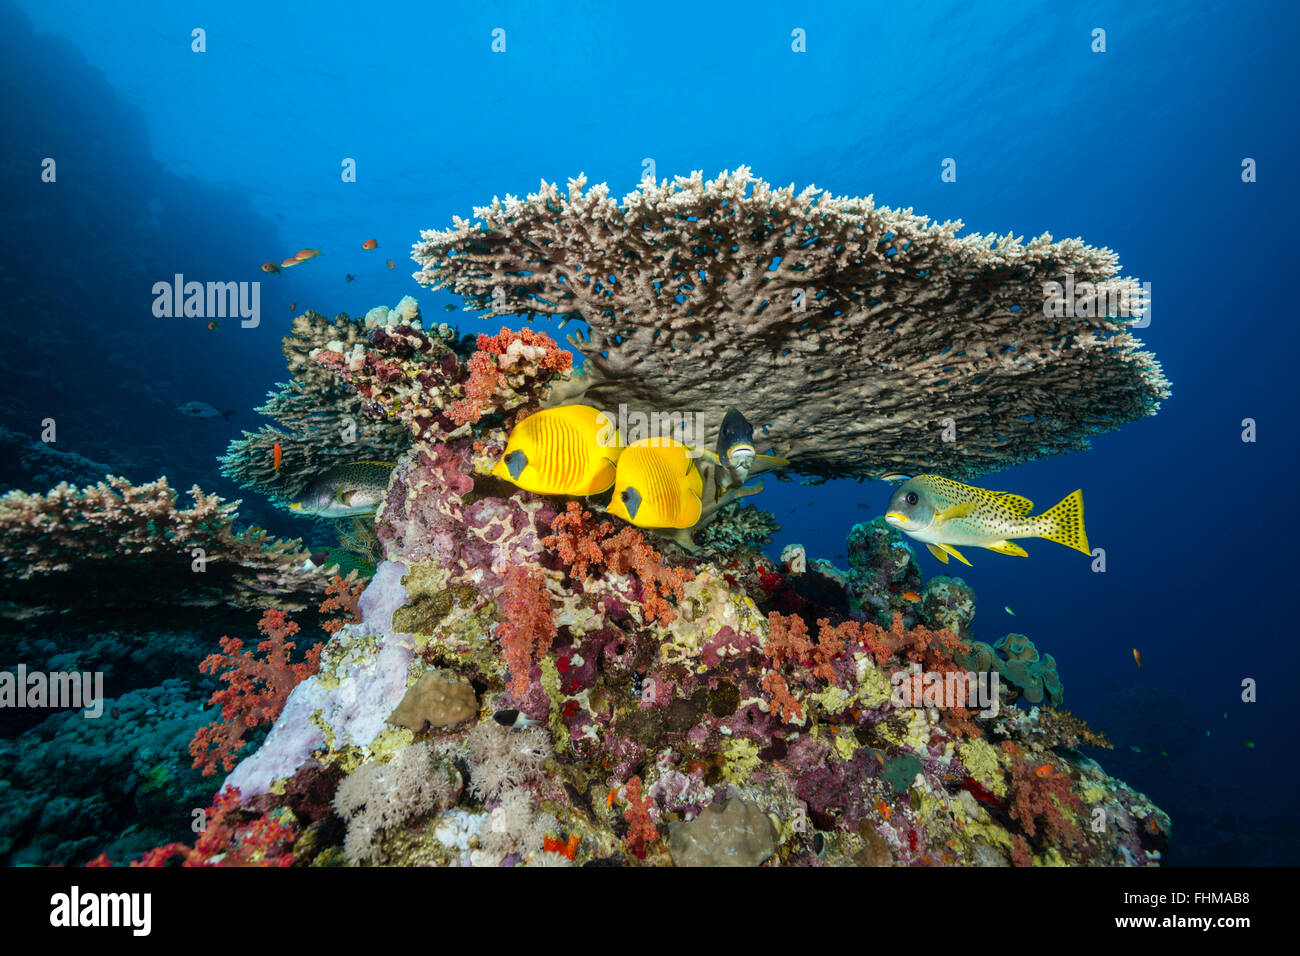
column 641, row 830
column 529, row 626
column 523, row 355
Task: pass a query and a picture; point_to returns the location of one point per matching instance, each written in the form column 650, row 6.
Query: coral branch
column 686, row 289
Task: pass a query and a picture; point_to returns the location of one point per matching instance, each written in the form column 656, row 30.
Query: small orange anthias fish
column 289, row 262
column 305, row 254
column 270, row 267
column 1137, row 658
column 1046, row 770
column 370, row 244
column 293, row 306
column 883, row 807
column 214, row 325
column 911, row 597
column 390, row 264
column 1009, row 747
column 276, row 454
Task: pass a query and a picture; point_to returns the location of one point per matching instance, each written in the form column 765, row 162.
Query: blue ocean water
column 207, row 164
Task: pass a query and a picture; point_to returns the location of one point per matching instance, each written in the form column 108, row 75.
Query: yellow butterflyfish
column 570, row 450
column 658, row 485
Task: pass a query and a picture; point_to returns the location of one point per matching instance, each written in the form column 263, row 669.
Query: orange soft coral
column 581, row 543
column 783, row 703
column 787, row 639
column 529, row 627
column 256, row 689
column 577, row 540
column 934, row 649
column 789, row 646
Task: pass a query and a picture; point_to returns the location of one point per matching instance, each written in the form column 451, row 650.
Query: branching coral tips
column 657, row 485
column 943, row 513
column 561, row 451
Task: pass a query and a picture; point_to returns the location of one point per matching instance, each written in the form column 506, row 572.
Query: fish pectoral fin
column 957, row 511
column 1008, row 547
column 772, row 461
column 945, row 550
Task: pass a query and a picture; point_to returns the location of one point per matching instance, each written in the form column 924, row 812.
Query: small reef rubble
column 525, row 681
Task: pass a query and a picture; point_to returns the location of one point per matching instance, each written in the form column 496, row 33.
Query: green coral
column 1017, row 660
column 899, row 772
column 739, row 529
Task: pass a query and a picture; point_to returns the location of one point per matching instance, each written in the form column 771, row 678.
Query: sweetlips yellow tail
column 1063, row 523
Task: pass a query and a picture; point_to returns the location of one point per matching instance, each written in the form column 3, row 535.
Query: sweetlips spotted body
column 942, row 513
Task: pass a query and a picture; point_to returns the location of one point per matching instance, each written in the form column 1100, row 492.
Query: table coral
column 85, row 552
column 853, row 330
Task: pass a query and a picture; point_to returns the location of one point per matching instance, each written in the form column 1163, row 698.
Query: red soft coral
column 529, row 627
column 1041, row 802
column 580, row 543
column 231, row 836
column 342, row 595
column 525, row 355
column 256, row 691
column 641, row 831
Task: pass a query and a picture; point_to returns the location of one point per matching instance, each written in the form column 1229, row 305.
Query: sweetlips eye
column 912, row 498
